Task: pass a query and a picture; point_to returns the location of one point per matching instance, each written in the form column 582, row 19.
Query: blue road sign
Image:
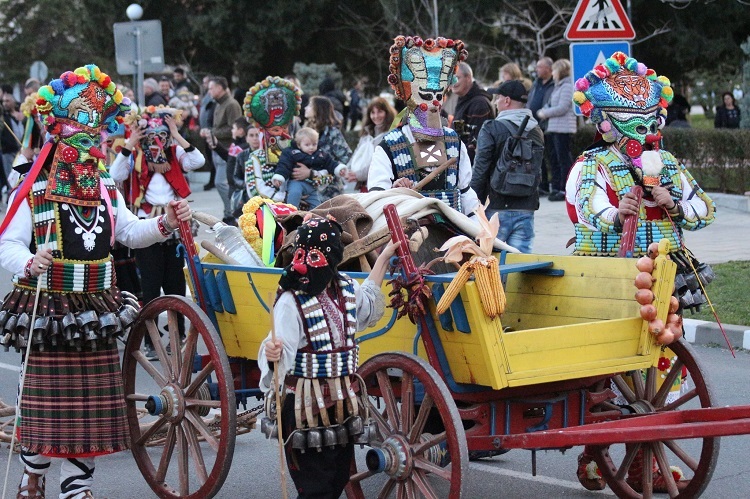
column 584, row 56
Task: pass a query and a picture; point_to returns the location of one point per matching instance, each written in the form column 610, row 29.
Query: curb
column 731, row 201
column 705, row 332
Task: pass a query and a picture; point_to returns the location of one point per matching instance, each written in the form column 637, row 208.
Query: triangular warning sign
column 599, row 20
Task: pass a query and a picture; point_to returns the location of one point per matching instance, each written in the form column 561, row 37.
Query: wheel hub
column 393, row 457
column 168, row 403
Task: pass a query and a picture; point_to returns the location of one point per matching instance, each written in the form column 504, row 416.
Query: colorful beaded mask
column 78, row 108
column 421, row 72
column 626, row 101
column 273, row 103
column 156, row 138
column 318, row 250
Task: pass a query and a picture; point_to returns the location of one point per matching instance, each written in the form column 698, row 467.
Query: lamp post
column 135, row 12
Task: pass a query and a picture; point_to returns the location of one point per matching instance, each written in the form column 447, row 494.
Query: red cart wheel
column 407, row 460
column 180, row 402
column 695, row 457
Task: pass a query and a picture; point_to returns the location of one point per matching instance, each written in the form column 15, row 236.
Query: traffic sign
column 584, row 56
column 599, row 20
column 128, row 54
column 39, row 71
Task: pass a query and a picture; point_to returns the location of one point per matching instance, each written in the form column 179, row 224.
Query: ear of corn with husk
column 483, row 265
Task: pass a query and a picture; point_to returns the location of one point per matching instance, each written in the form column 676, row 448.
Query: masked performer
column 272, row 104
column 421, row 72
column 72, row 406
column 317, row 312
column 152, row 165
column 627, row 102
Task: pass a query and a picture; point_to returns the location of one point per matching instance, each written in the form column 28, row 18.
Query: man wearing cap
column 515, row 209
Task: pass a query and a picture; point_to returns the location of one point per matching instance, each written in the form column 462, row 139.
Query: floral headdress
column 626, row 101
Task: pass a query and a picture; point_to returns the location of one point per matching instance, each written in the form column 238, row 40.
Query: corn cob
column 489, row 286
column 455, row 287
column 497, row 284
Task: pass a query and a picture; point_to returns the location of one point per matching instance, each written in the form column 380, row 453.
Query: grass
column 729, row 294
column 700, row 121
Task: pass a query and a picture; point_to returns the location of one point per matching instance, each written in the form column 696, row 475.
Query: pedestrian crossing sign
column 599, row 20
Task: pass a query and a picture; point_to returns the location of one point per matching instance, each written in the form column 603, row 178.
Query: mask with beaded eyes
column 317, row 253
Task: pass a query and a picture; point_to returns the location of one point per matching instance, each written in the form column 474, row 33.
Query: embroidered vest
column 75, row 267
column 443, row 187
column 266, row 169
column 319, row 359
column 175, row 177
column 605, row 241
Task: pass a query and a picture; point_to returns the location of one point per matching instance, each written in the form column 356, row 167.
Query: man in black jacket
column 516, row 213
column 473, row 108
column 539, row 96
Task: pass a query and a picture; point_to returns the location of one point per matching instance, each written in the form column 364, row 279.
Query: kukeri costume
column 421, row 72
column 153, row 175
column 319, row 359
column 627, row 102
column 73, row 403
column 272, row 104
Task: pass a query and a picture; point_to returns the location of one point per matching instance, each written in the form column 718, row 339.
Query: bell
column 355, row 425
column 691, row 281
column 342, row 435
column 41, row 326
column 69, row 327
column 686, row 299
column 299, row 441
column 55, row 336
column 679, row 282
column 127, row 316
column 706, row 273
column 314, row 440
column 329, row 437
column 698, row 298
column 269, row 428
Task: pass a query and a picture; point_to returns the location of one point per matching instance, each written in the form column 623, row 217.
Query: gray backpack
column 518, row 169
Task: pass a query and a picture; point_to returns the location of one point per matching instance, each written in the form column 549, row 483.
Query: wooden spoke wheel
column 626, row 468
column 178, row 400
column 406, row 460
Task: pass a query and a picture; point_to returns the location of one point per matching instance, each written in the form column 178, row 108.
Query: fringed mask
column 157, row 139
column 627, row 102
column 421, row 72
column 272, row 104
column 318, row 250
column 78, row 109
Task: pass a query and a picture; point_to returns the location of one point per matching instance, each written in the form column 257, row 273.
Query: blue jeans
column 295, row 189
column 516, row 228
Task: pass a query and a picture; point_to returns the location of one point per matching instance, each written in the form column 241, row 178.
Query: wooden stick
column 277, row 394
column 25, row 365
column 434, row 173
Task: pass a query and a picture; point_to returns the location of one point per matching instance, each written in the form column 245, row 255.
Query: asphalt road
column 254, row 471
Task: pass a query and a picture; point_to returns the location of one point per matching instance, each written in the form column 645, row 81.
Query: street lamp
column 135, row 12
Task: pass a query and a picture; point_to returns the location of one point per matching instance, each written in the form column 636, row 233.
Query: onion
column 656, row 327
column 674, row 304
column 666, row 337
column 644, row 280
column 677, row 333
column 653, row 250
column 648, row 312
column 644, row 296
column 674, row 319
column 645, row 264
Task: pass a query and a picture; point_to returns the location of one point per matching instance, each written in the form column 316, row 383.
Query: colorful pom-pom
column 579, row 97
column 605, row 126
column 641, row 69
column 667, row 93
column 663, row 102
column 613, row 65
column 620, row 57
column 631, row 64
column 582, row 84
column 586, row 108
column 664, row 81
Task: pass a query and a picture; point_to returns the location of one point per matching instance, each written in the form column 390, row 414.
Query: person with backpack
column 508, row 165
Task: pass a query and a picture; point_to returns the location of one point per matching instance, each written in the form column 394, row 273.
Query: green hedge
column 718, row 159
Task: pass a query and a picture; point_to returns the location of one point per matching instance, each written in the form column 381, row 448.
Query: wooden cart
column 544, row 376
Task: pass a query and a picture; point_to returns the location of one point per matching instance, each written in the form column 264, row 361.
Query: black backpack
column 518, row 169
